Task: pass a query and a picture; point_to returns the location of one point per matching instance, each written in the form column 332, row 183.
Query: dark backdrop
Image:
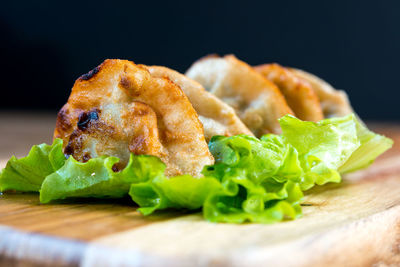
column 355, row 45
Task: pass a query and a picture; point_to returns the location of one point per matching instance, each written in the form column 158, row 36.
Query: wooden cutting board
column 356, row 223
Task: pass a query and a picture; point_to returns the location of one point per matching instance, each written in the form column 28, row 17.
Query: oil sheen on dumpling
column 334, row 103
column 299, row 94
column 119, row 108
column 217, row 117
column 256, row 100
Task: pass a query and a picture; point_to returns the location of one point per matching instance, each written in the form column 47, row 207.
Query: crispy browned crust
column 298, row 93
column 256, row 100
column 334, row 103
column 217, row 117
column 119, row 108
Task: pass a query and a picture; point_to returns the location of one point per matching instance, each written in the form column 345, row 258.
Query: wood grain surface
column 355, row 223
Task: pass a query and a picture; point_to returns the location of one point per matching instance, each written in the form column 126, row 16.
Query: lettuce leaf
column 371, row 146
column 96, row 178
column 27, row 174
column 183, row 192
column 323, row 146
column 259, row 180
column 254, row 203
column 332, row 146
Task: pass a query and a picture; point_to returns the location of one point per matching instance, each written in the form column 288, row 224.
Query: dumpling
column 217, row 117
column 299, row 94
column 256, row 100
column 119, row 108
column 334, row 103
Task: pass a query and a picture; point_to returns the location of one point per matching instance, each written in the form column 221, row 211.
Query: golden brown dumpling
column 299, row 94
column 217, row 117
column 119, row 108
column 256, row 100
column 334, row 103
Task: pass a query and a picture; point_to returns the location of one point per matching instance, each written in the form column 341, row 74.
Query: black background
column 354, row 45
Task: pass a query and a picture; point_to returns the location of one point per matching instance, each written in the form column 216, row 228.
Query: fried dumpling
column 217, row 117
column 299, row 94
column 119, row 108
column 334, row 103
column 256, row 100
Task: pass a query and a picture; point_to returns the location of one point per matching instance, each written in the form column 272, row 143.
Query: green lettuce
column 323, row 146
column 96, row 178
column 27, row 174
column 143, row 178
column 182, row 192
column 252, row 180
column 259, row 180
column 371, row 146
column 332, row 146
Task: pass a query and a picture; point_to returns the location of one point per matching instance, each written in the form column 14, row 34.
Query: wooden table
column 356, row 223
